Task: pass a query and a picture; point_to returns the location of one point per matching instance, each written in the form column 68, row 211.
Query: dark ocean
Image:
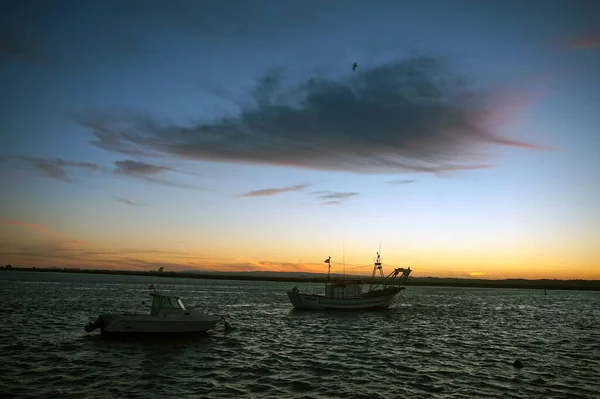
column 431, row 343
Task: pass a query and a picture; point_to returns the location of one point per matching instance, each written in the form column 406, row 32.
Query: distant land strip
column 580, row 285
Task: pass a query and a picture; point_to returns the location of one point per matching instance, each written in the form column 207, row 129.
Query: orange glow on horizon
column 10, row 222
column 38, row 246
column 151, row 260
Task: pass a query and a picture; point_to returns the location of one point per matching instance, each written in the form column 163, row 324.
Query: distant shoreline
column 579, row 285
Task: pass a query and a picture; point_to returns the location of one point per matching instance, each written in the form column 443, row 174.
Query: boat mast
column 328, row 261
column 344, row 258
column 376, row 265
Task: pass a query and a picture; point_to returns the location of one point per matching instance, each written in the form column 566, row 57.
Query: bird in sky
column 354, row 66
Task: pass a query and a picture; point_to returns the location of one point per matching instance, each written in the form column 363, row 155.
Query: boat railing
column 397, row 277
column 164, row 312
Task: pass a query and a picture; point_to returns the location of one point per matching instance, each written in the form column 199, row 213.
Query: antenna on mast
column 344, row 257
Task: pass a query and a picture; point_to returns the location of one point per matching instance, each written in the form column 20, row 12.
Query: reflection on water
column 432, row 342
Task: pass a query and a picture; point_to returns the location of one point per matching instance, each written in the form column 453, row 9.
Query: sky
column 234, row 135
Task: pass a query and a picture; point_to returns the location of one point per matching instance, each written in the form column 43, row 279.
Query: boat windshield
column 171, row 303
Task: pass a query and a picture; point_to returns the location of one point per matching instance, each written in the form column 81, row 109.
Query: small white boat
column 168, row 315
column 348, row 294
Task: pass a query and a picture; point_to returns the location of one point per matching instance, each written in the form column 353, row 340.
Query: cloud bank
column 408, row 115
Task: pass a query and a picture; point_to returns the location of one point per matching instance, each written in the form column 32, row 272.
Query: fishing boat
column 348, row 293
column 168, row 315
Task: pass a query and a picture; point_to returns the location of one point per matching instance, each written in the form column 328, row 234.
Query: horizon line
column 209, row 272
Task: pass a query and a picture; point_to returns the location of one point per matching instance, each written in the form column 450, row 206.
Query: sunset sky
column 234, row 135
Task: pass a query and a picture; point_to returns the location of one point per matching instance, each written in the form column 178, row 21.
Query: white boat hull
column 111, row 324
column 168, row 315
column 306, row 301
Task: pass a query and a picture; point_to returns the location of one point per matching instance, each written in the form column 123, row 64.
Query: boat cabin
column 163, row 302
column 344, row 290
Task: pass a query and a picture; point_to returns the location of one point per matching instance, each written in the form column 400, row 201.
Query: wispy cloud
column 129, row 202
column 52, row 251
column 410, row 115
column 334, row 197
column 402, row 181
column 63, row 170
column 136, row 168
column 149, row 172
column 274, row 191
column 59, row 253
column 587, row 41
column 19, row 223
column 57, row 168
column 78, row 242
column 337, row 195
column 51, row 240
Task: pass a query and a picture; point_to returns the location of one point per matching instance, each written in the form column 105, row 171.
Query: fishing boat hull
column 347, row 293
column 308, row 301
column 114, row 324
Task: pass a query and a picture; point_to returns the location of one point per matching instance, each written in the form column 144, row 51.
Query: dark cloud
column 274, row 191
column 410, row 115
column 402, row 181
column 56, row 168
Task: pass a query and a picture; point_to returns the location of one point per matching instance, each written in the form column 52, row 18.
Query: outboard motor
column 91, row 326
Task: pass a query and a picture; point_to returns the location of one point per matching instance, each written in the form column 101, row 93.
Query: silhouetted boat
column 168, row 315
column 347, row 293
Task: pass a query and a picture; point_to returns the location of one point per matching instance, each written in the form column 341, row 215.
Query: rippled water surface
column 431, row 343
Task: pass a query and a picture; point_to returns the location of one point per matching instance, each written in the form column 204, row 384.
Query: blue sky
column 223, row 98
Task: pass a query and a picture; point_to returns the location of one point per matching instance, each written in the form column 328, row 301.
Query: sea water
column 431, row 343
